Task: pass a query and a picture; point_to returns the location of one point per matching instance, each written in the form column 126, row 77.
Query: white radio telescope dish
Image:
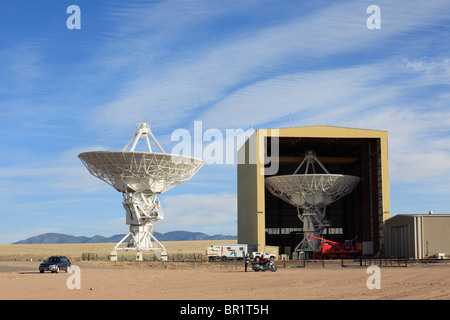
column 141, row 177
column 310, row 193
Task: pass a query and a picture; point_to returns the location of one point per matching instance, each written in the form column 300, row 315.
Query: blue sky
column 230, row 64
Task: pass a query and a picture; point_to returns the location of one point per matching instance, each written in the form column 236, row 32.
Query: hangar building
column 267, row 223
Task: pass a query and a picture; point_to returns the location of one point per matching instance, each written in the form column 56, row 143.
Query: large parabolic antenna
column 311, row 193
column 141, row 177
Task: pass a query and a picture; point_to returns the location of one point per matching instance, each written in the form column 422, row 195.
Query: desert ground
column 104, row 280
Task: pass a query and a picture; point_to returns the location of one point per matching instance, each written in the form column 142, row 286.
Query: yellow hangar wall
column 251, row 173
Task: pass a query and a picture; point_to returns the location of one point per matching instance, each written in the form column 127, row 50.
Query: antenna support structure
column 141, row 177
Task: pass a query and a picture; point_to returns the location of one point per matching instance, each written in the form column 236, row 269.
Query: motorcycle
column 268, row 265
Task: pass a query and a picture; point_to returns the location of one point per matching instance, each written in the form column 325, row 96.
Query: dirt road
column 21, row 280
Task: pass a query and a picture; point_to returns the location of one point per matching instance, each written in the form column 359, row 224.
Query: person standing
column 247, row 260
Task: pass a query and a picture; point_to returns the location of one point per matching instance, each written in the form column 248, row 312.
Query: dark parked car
column 55, row 264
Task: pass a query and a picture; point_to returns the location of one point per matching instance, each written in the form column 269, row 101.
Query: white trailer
column 226, row 251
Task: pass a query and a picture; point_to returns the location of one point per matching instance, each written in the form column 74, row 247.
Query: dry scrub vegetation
column 36, row 252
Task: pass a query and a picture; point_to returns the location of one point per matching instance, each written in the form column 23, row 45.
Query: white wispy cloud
column 175, row 88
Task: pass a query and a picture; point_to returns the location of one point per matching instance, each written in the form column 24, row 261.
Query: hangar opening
column 357, row 216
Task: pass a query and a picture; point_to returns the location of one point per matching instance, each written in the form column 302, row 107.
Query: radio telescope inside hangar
column 311, row 193
column 141, row 177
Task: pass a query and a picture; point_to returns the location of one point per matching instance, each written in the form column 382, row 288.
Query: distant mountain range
column 168, row 236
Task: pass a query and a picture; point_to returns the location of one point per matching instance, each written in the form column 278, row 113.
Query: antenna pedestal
column 142, row 213
column 141, row 238
column 313, row 219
